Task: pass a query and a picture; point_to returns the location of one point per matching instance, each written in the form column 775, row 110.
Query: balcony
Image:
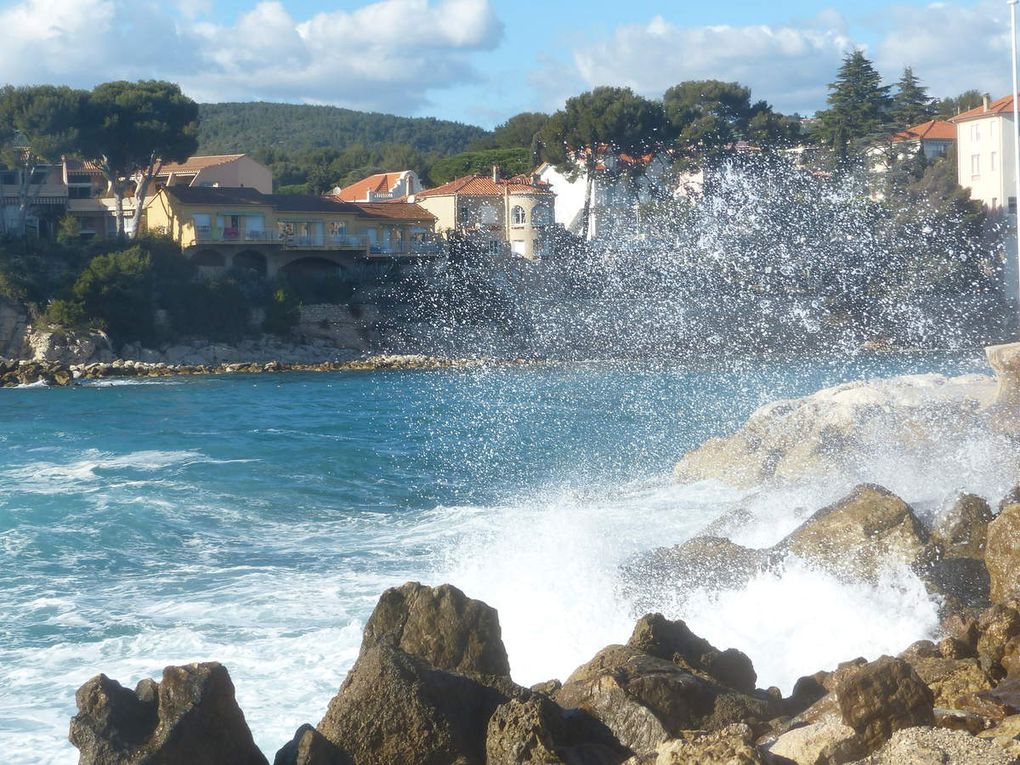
column 205, row 235
column 414, row 249
column 338, row 242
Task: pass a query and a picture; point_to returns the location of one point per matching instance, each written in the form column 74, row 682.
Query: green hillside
column 247, row 127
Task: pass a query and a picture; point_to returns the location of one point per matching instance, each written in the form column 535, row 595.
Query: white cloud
column 384, row 55
column 952, row 47
column 790, row 64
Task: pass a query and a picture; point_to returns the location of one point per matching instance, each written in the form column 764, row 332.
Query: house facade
column 985, row 153
column 221, row 228
column 77, row 188
column 381, row 187
column 934, row 138
column 512, row 215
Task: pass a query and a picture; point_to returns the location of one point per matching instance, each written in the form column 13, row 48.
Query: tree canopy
column 859, row 106
column 911, row 104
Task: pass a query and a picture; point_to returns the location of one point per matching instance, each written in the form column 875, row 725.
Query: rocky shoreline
column 432, row 682
column 14, row 373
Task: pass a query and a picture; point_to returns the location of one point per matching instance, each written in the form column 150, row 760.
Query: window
column 203, row 223
column 975, row 165
column 995, row 203
column 8, row 179
column 1012, row 205
column 975, row 132
column 494, row 247
column 487, row 215
column 39, row 176
column 992, row 163
column 79, row 192
column 518, row 216
column 540, row 216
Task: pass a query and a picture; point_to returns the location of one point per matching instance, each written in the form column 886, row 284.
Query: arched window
column 518, row 216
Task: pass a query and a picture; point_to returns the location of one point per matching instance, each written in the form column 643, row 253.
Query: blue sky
column 482, row 61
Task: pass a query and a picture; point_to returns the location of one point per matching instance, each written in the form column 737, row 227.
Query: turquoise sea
column 255, row 520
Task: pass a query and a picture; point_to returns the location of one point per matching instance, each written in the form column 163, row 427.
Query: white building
column 381, row 187
column 984, row 153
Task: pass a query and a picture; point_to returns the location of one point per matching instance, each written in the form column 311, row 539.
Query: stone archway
column 251, row 260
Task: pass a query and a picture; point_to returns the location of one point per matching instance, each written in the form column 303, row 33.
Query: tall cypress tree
column 911, row 105
column 859, row 106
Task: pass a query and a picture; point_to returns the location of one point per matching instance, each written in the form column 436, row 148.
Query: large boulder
column 1002, row 552
column 861, row 534
column 394, row 707
column 884, row 696
column 309, row 747
column 951, row 680
column 846, row 431
column 702, row 562
column 537, row 731
column 190, row 716
column 961, row 531
column 825, row 742
column 664, row 681
column 442, row 626
column 732, row 745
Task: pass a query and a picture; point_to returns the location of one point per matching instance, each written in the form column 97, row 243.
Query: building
column 502, row 214
column 222, row 228
column 621, row 185
column 934, row 138
column 47, row 195
column 77, row 188
column 984, row 153
column 381, row 187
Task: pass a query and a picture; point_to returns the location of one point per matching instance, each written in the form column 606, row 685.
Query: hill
column 246, row 127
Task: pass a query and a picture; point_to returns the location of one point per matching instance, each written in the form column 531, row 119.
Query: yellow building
column 222, row 228
column 514, row 214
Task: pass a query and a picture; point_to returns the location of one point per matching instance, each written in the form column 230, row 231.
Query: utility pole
column 1016, row 138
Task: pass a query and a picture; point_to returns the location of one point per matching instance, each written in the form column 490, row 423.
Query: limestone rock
column 442, row 626
column 189, row 716
column 930, row 746
column 962, row 530
column 822, row 743
column 394, row 707
column 843, row 430
column 996, row 627
column 859, row 535
column 309, row 747
column 882, row 697
column 951, row 679
column 1002, row 554
column 732, row 745
column 657, row 636
column 537, row 731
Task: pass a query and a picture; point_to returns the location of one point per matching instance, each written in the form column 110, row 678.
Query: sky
column 482, row 61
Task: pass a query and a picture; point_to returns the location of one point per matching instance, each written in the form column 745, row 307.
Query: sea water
column 255, row 520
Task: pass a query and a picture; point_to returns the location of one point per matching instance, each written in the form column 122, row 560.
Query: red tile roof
column 932, row 130
column 198, row 163
column 998, row 106
column 484, row 186
column 396, row 211
column 380, row 183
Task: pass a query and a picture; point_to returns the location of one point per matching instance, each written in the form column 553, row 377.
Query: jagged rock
column 826, row 742
column 701, row 562
column 1002, row 552
column 884, row 696
column 732, row 745
column 548, row 688
column 996, row 627
column 309, row 747
column 442, row 626
column 189, row 716
column 928, row 746
column 1008, row 727
column 962, row 530
column 951, row 679
column 394, row 707
column 646, row 700
column 859, row 535
column 920, row 649
column 657, row 636
column 537, row 731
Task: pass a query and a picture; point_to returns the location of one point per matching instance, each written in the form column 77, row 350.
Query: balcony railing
column 336, row 242
column 228, row 235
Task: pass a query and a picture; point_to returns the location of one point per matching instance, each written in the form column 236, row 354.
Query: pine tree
column 859, row 106
column 911, row 105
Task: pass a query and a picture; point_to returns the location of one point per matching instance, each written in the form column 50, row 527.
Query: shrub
column 117, row 289
column 61, row 314
column 282, row 313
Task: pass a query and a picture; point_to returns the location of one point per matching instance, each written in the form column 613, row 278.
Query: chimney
column 495, row 173
column 984, row 103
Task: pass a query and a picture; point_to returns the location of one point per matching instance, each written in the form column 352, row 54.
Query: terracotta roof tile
column 998, row 106
column 932, row 130
column 380, row 183
column 198, row 163
column 396, row 211
column 482, row 185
